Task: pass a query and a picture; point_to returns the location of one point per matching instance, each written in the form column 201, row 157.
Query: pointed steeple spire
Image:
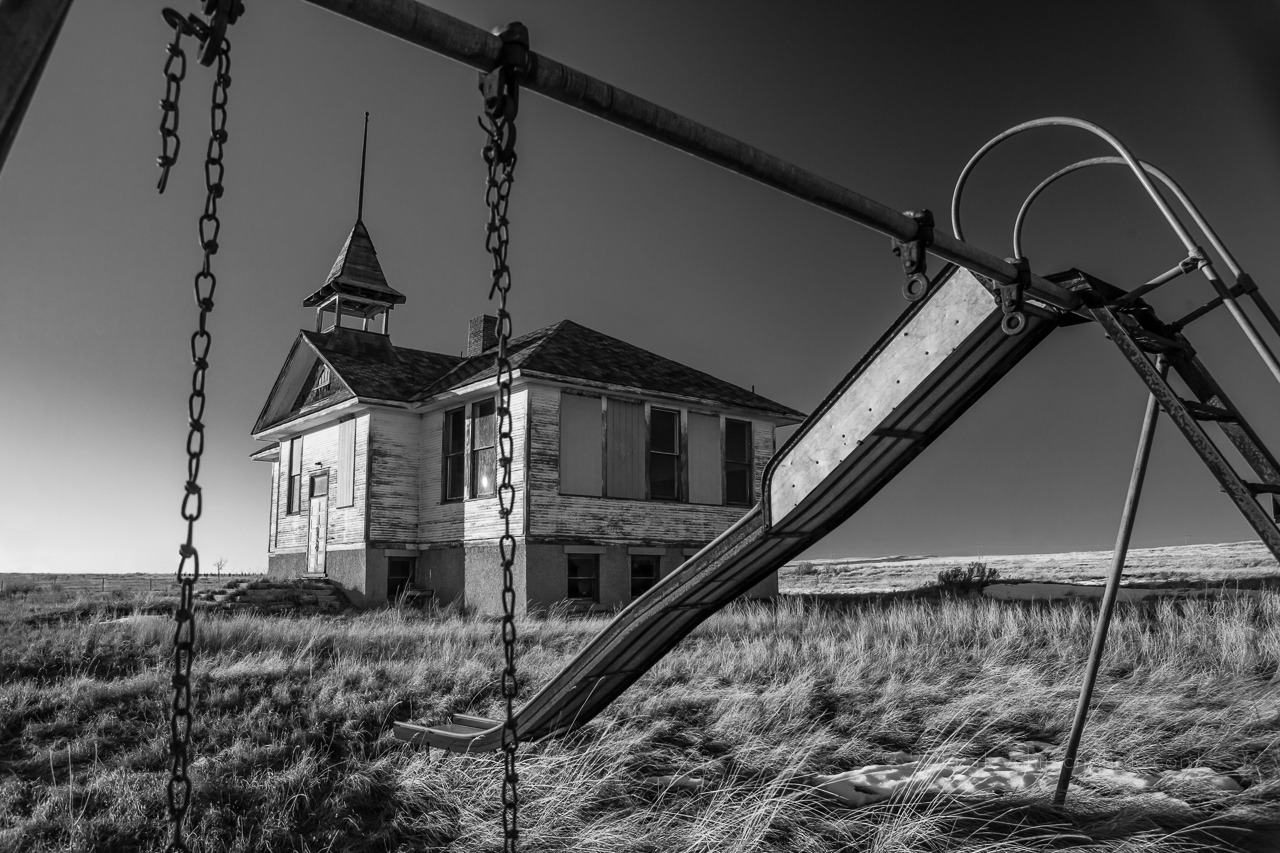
column 364, row 149
column 356, row 285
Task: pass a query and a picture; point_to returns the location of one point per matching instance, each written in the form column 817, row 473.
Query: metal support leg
column 28, row 30
column 1113, row 586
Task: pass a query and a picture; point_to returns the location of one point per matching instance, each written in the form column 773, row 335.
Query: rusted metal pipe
column 1159, row 281
column 1127, row 517
column 462, row 42
column 28, row 31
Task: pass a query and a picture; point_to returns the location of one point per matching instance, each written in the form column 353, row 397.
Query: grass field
column 294, row 750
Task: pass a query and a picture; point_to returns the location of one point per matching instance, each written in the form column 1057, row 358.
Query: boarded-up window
column 484, row 457
column 705, row 476
column 454, row 460
column 580, row 449
column 346, row 487
column 625, row 448
column 737, row 462
column 664, row 455
column 295, row 475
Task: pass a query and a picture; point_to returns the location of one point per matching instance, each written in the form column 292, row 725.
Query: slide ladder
column 1139, row 335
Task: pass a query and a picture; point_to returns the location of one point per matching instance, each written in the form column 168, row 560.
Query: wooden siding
column 346, row 524
column 395, row 440
column 625, row 449
column 272, row 508
column 472, row 518
column 345, row 493
column 581, row 444
column 705, row 460
column 597, row 520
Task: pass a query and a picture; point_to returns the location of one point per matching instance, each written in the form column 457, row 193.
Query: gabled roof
column 571, row 351
column 357, row 272
column 367, row 365
column 373, row 367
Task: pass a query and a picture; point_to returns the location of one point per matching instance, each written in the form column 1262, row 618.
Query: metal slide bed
column 941, row 355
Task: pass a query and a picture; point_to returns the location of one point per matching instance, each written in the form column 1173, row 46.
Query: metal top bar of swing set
column 450, row 37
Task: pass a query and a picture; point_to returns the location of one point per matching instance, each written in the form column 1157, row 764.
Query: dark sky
column 625, row 236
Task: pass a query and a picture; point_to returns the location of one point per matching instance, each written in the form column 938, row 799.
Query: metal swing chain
column 500, row 90
column 204, row 285
column 172, row 90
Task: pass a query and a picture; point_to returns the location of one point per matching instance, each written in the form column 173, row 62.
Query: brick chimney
column 482, row 334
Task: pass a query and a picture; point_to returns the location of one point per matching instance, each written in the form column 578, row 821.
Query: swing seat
column 447, row 736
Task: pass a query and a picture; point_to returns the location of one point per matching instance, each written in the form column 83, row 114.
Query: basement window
column 644, row 573
column 584, row 577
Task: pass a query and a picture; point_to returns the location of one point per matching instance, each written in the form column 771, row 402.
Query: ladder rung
column 1205, row 412
column 1263, row 488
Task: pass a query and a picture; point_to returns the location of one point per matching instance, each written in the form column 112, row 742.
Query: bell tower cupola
column 356, row 288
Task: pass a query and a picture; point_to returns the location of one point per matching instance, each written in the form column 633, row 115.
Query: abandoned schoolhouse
column 384, row 459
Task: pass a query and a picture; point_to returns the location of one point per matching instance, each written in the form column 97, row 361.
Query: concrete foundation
column 285, row 566
column 472, row 574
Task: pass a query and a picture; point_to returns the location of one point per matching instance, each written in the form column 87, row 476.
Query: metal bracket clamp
column 914, row 260
column 499, row 86
column 210, row 33
column 1193, row 261
column 1010, row 296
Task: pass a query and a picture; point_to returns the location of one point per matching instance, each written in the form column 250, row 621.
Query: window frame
column 450, row 456
column 475, row 449
column 674, row 455
column 652, row 582
column 593, row 575
column 746, row 465
column 293, row 487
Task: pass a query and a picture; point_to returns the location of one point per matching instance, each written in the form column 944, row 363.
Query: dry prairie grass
column 294, row 750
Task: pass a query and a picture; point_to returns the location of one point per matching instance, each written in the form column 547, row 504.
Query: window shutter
column 580, row 439
column 625, row 468
column 346, row 463
column 705, row 480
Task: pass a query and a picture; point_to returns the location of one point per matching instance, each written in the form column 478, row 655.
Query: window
column 455, row 436
column 484, row 458
column 644, row 573
column 323, row 378
column 399, row 575
column 584, row 577
column 737, row 462
column 294, row 503
column 664, row 455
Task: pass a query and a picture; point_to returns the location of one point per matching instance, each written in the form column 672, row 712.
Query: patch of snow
column 1026, row 768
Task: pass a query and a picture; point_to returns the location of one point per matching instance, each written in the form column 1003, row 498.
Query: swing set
column 964, row 328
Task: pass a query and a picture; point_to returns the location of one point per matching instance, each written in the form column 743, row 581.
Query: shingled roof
column 373, row 367
column 356, row 272
column 571, row 351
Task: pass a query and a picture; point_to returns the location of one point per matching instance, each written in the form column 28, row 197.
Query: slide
column 942, row 354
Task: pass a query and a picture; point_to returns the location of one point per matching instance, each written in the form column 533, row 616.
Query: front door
column 318, row 524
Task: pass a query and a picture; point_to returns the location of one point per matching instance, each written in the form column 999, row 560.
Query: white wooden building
column 383, row 458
